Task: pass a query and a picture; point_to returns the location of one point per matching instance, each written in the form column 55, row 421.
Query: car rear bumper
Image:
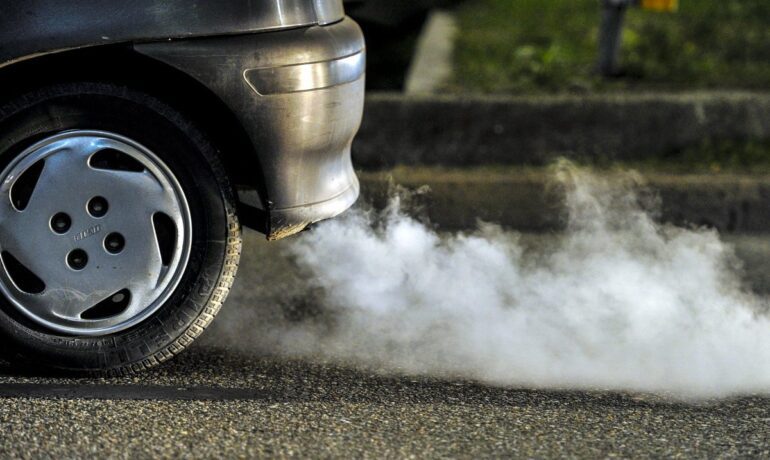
column 299, row 95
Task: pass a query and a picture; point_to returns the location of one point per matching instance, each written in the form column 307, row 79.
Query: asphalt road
column 233, row 396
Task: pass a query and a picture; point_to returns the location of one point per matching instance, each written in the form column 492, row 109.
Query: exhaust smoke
column 616, row 301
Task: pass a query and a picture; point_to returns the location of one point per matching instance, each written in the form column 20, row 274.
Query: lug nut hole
column 77, row 259
column 98, row 206
column 114, row 243
column 61, row 223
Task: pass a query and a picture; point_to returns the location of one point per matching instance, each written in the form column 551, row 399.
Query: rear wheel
column 118, row 238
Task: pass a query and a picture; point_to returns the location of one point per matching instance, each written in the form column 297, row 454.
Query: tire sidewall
column 194, row 162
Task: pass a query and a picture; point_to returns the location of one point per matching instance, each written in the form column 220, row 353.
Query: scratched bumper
column 299, row 95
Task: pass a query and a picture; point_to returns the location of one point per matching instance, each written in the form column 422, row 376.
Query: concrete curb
column 432, row 62
column 528, row 201
column 446, row 130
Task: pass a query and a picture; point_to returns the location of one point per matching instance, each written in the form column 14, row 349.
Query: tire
column 198, row 242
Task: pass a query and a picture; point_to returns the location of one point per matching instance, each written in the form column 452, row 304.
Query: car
column 135, row 140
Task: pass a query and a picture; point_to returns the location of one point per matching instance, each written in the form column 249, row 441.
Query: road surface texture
column 230, row 396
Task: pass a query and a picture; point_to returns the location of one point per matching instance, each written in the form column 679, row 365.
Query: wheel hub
column 95, row 233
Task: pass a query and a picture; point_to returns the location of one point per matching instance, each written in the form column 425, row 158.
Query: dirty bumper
column 299, row 95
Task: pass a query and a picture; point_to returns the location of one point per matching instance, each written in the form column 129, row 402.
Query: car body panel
column 299, row 96
column 33, row 27
column 290, row 71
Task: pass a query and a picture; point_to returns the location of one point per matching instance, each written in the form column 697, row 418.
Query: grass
column 546, row 46
column 743, row 157
column 751, row 157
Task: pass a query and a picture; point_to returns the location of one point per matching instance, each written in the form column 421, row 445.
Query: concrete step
column 530, row 200
column 534, row 130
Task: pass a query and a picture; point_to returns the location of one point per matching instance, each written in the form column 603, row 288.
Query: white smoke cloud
column 617, row 301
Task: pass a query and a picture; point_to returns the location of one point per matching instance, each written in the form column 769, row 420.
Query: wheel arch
column 120, row 64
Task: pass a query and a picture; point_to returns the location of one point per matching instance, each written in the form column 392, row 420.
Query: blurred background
column 535, row 46
column 498, row 86
column 476, row 98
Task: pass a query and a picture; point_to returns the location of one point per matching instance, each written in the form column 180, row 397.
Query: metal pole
column 610, row 34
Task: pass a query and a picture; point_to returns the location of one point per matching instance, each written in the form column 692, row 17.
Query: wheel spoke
column 87, row 232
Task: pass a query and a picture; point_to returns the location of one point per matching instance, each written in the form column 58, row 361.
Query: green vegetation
column 751, row 157
column 716, row 156
column 536, row 46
